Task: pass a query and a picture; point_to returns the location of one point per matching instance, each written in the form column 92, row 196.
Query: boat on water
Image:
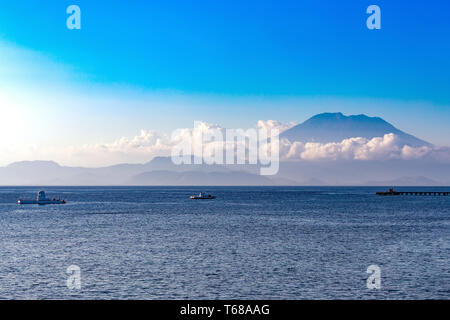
column 391, row 192
column 202, row 196
column 41, row 199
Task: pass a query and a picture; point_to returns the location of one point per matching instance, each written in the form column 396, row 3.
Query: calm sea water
column 249, row 243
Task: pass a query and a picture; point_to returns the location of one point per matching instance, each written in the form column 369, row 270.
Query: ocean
column 249, row 243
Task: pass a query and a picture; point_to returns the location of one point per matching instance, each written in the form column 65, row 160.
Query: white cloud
column 378, row 148
column 273, row 124
column 148, row 144
column 144, row 146
column 408, row 152
column 138, row 149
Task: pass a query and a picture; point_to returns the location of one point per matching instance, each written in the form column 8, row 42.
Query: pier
column 391, row 192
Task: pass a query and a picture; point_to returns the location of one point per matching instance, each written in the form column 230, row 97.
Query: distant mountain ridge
column 335, row 127
column 158, row 171
column 164, row 172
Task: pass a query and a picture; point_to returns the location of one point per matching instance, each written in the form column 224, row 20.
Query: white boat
column 202, row 196
column 41, row 199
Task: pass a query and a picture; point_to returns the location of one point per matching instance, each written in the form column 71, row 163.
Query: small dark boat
column 202, row 196
column 391, row 192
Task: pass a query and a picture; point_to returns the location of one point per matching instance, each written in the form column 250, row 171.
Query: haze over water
column 249, row 243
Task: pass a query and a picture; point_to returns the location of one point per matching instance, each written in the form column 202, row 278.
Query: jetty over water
column 391, row 192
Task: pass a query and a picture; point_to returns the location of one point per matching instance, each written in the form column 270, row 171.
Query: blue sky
column 246, row 47
column 235, row 61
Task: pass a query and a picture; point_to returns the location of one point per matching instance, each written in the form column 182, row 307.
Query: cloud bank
column 148, row 144
column 357, row 148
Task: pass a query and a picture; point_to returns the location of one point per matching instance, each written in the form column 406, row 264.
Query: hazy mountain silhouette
column 164, row 172
column 335, row 127
column 159, row 171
